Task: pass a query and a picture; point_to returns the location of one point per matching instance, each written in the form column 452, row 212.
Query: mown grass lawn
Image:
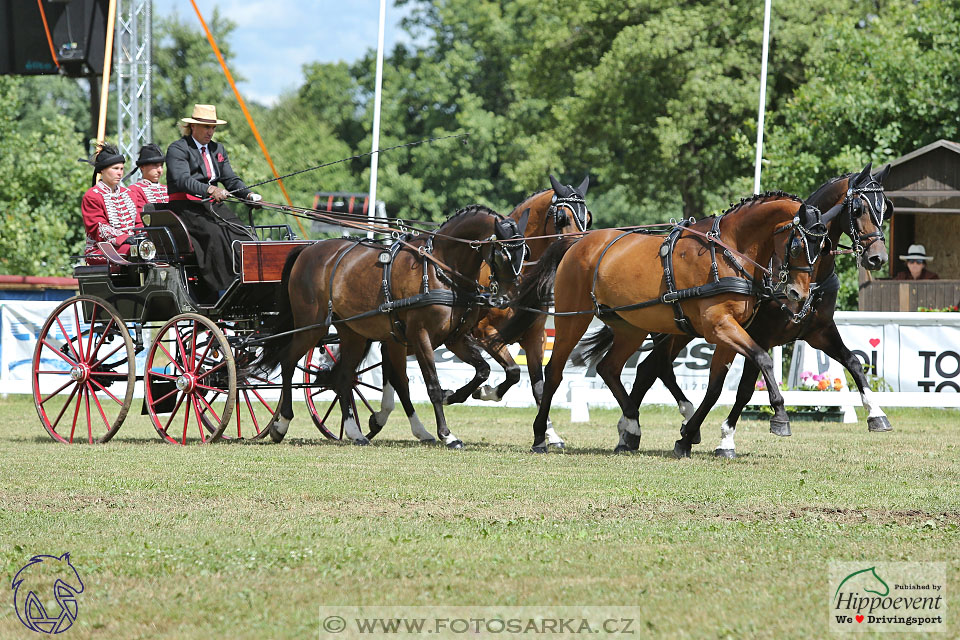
column 249, row 540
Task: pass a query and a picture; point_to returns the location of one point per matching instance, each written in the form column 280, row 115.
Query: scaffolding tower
column 133, row 44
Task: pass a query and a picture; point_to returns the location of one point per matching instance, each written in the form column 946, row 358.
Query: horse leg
column 502, row 357
column 625, row 344
column 467, row 349
column 420, row 342
column 748, row 382
column 378, row 419
column 532, row 344
column 829, row 341
column 352, row 349
column 569, row 330
column 690, row 429
column 725, row 330
column 284, row 413
column 395, row 361
column 659, row 364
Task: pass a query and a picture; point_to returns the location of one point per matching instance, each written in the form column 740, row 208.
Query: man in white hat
column 195, row 166
column 916, row 260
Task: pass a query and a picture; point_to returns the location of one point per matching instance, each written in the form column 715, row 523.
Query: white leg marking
column 387, row 404
column 552, row 436
column 874, row 409
column 419, row 432
column 726, row 436
column 450, row 438
column 281, row 425
column 489, row 393
column 352, row 430
column 687, row 409
column 538, row 388
column 628, row 425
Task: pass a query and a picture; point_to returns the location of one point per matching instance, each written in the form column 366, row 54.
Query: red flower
column 219, row 157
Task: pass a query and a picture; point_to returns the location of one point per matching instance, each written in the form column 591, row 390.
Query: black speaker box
column 77, row 32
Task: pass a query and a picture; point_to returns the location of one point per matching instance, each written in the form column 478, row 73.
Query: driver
column 195, row 166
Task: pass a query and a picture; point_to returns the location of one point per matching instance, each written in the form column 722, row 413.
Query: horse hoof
column 456, row 444
column 681, row 449
column 539, row 449
column 557, row 445
column 879, row 424
column 780, row 427
column 725, row 453
column 622, row 448
column 276, row 436
column 429, row 441
column 629, row 441
column 476, row 394
column 362, row 442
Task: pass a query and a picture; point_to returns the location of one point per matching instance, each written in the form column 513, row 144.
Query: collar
column 201, row 146
column 103, row 187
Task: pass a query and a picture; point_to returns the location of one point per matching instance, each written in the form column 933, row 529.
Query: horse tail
column 534, row 292
column 589, row 351
column 275, row 351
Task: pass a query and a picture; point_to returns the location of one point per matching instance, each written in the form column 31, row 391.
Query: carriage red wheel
column 84, row 371
column 190, row 382
column 255, row 405
column 321, row 400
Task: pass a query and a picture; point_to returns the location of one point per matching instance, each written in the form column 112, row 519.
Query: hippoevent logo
column 890, row 596
column 45, row 594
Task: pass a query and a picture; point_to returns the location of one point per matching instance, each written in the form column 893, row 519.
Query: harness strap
column 672, row 296
column 333, row 274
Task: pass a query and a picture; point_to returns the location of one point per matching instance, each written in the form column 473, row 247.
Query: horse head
column 793, row 260
column 479, row 232
column 568, row 206
column 862, row 208
column 509, row 249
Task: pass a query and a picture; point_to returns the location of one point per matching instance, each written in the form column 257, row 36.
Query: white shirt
column 213, row 166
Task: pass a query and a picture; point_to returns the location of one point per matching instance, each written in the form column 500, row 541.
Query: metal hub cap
column 79, row 373
column 186, row 383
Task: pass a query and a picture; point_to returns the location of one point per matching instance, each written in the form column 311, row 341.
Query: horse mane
column 471, row 209
column 759, row 197
column 829, row 183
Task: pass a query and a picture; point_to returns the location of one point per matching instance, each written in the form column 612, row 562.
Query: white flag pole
column 763, row 94
column 372, row 209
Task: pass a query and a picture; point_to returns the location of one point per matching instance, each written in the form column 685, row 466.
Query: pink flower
column 761, row 385
column 805, row 375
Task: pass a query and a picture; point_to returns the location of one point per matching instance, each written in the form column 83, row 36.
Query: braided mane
column 761, row 197
column 471, row 209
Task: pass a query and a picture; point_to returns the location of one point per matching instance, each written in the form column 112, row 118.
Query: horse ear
column 863, row 174
column 831, row 213
column 582, row 189
column 556, row 185
column 524, row 218
column 881, row 175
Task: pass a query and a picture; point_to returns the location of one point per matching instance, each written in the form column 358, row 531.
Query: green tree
column 41, row 184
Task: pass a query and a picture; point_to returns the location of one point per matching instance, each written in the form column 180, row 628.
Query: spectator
column 916, row 260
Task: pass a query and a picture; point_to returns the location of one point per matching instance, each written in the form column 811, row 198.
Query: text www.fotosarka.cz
column 482, row 621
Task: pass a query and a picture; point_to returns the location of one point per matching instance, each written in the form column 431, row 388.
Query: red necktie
column 206, row 162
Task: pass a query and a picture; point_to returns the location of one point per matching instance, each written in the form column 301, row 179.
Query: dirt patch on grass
column 845, row 516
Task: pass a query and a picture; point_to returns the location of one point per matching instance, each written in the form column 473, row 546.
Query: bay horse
column 545, row 213
column 548, row 213
column 618, row 277
column 864, row 209
column 429, row 294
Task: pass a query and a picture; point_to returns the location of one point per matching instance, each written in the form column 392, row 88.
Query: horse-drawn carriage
column 141, row 318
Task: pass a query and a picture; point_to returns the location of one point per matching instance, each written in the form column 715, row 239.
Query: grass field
column 248, row 540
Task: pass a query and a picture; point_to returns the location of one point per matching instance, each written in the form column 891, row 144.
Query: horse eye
column 795, row 249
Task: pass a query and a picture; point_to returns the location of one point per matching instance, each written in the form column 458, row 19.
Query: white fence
column 917, row 354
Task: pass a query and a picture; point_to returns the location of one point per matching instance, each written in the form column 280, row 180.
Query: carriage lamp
column 147, row 250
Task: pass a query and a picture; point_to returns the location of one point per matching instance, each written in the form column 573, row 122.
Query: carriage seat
column 177, row 246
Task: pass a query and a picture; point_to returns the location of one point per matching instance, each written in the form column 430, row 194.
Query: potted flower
column 809, row 381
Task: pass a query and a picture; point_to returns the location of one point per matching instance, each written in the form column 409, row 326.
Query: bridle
column 573, row 202
column 876, row 206
column 809, row 243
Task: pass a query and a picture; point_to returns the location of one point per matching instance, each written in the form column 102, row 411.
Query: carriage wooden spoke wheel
column 84, row 371
column 255, row 404
column 323, row 403
column 190, row 382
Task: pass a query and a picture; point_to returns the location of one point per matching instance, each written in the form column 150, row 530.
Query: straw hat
column 203, row 114
column 916, row 252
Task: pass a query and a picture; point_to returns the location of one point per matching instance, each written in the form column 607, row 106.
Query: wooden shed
column 924, row 186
